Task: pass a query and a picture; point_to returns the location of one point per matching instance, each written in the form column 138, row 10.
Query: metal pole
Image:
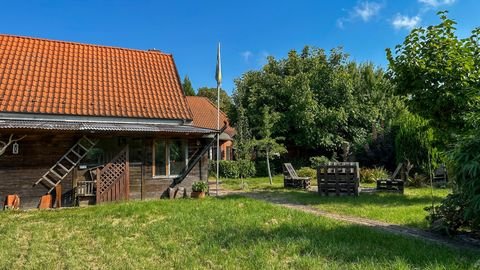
column 218, row 136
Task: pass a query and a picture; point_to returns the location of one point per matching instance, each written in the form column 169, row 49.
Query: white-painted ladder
column 66, row 163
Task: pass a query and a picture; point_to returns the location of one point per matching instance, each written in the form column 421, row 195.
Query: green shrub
column 449, row 216
column 199, row 187
column 368, row 175
column 418, row 180
column 317, row 161
column 229, row 169
column 246, row 168
column 307, row 172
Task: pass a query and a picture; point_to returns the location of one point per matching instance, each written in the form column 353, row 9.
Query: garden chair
column 292, row 180
column 338, row 179
column 440, row 176
column 392, row 184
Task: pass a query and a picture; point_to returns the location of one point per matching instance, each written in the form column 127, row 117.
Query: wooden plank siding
column 38, row 152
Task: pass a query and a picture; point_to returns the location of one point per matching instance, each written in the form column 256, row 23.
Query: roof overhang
column 101, row 127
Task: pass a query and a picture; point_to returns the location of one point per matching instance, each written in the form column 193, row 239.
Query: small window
column 170, row 157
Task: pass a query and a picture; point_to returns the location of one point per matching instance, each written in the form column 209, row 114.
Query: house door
column 136, row 168
column 113, row 179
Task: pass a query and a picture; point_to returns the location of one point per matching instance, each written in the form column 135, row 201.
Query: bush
column 317, row 161
column 229, row 169
column 449, row 216
column 418, row 180
column 246, row 168
column 372, row 175
column 199, row 187
column 307, row 172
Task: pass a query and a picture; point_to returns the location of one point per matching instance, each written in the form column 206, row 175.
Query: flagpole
column 218, row 77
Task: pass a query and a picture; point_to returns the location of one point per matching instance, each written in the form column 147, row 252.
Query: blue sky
column 248, row 30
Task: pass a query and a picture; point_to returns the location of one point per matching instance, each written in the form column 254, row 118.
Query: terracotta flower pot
column 198, row 194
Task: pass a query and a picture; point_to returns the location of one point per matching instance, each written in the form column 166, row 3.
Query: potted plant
column 199, row 189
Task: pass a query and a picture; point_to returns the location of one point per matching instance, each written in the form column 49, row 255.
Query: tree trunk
column 268, row 168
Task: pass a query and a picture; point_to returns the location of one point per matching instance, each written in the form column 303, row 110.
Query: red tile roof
column 55, row 77
column 205, row 114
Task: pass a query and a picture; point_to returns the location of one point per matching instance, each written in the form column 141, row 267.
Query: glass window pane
column 177, row 157
column 160, row 158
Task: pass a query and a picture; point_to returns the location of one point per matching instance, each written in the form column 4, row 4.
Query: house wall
column 38, row 152
column 224, row 147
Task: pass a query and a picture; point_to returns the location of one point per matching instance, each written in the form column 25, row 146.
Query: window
column 170, row 157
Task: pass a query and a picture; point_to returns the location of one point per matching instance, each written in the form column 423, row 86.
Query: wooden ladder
column 66, row 163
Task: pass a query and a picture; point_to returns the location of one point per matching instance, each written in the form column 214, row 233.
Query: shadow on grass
column 306, row 237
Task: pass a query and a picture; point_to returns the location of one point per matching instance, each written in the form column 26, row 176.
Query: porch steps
column 66, row 163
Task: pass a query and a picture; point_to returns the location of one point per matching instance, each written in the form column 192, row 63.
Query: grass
column 225, row 233
column 407, row 209
column 254, row 183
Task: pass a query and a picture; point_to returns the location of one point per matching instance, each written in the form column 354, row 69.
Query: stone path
column 278, row 199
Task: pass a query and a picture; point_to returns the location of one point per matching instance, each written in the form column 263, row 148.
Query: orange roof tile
column 55, row 77
column 205, row 114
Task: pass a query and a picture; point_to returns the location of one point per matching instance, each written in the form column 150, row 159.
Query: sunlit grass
column 224, row 233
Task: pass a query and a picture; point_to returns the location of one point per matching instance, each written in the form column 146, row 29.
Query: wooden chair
column 440, row 176
column 292, row 180
column 392, row 184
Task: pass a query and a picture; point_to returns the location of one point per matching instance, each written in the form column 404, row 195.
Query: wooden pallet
column 338, row 178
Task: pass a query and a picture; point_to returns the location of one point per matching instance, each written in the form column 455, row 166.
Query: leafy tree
column 267, row 145
column 187, row 87
column 322, row 100
column 440, row 76
column 439, row 73
column 244, row 146
column 226, row 103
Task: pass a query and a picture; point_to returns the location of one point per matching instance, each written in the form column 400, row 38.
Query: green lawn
column 254, row 183
column 224, row 233
column 407, row 209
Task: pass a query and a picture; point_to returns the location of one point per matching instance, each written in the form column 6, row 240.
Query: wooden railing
column 86, row 188
column 112, row 180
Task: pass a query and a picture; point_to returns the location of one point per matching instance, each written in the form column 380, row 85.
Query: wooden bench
column 338, row 178
column 292, row 180
column 392, row 184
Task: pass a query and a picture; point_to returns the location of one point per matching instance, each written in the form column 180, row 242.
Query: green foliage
column 414, row 142
column 199, row 186
column 228, row 169
column 449, row 216
column 187, row 87
column 378, row 150
column 226, row 104
column 439, row 73
column 246, row 168
column 466, row 157
column 418, row 180
column 320, row 100
column 368, row 175
column 317, row 161
column 307, row 172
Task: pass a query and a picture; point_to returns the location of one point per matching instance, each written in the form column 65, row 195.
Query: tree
column 322, row 100
column 244, row 146
column 267, row 145
column 226, row 104
column 439, row 74
column 187, row 87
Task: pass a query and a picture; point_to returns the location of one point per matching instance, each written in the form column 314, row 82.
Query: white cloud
column 436, row 3
column 366, row 10
column 406, row 22
column 246, row 55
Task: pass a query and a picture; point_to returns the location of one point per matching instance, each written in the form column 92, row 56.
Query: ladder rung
column 89, row 141
column 76, row 154
column 44, row 178
column 63, row 167
column 84, row 148
column 58, row 175
column 69, row 160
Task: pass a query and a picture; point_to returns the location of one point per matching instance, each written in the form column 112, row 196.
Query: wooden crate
column 390, row 185
column 338, row 178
